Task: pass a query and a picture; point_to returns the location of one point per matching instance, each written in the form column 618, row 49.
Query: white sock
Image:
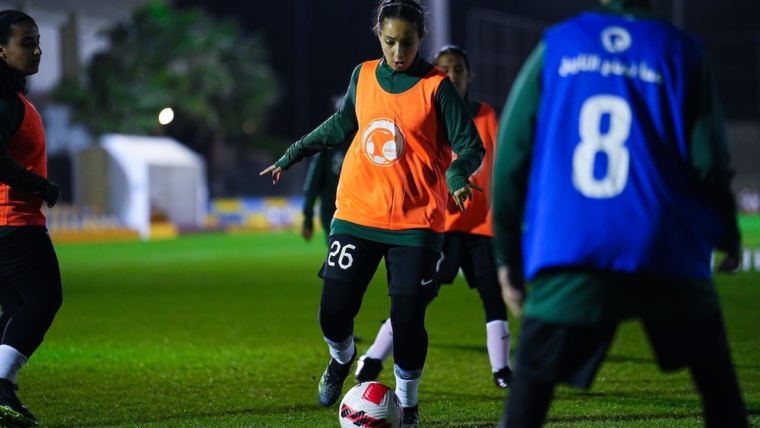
column 497, row 341
column 341, row 351
column 406, row 385
column 11, row 362
column 382, row 348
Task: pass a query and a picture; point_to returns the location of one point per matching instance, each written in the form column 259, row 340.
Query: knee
column 495, row 311
column 408, row 312
column 51, row 303
column 328, row 315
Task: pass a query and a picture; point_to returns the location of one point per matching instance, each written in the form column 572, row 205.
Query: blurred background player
column 611, row 191
column 322, row 182
column 391, row 200
column 466, row 242
column 30, row 280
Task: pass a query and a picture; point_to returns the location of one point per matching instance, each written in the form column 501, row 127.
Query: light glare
column 166, row 116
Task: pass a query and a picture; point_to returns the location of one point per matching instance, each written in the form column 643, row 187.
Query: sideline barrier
column 257, row 214
column 73, row 223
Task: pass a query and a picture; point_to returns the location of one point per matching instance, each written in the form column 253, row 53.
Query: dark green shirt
column 460, row 130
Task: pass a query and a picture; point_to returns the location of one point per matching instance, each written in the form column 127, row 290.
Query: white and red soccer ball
column 370, row 405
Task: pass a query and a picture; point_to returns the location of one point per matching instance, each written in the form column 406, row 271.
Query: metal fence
column 497, row 45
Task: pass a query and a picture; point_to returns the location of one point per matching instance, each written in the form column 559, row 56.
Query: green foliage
column 212, row 75
column 221, row 331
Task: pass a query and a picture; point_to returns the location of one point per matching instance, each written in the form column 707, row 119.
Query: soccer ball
column 370, row 405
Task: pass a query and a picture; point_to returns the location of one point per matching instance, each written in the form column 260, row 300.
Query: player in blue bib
column 611, row 191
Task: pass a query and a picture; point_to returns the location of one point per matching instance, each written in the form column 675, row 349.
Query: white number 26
column 345, row 259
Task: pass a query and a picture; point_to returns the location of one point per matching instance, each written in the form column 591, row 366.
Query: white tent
column 153, row 177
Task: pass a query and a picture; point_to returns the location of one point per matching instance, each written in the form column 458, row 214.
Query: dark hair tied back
column 408, row 10
column 10, row 83
column 8, row 18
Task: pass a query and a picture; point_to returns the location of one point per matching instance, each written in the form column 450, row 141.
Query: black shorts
column 472, row 253
column 410, row 270
column 556, row 353
column 27, row 248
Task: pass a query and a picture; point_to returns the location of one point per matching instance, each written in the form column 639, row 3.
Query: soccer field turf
column 221, row 331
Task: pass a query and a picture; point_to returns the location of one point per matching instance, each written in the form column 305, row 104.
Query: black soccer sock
column 410, row 339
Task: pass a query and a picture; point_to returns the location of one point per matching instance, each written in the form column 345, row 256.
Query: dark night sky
column 314, row 45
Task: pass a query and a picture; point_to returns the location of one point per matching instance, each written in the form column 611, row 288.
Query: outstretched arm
column 331, row 133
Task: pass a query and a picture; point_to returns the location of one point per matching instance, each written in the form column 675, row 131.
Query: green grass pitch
column 221, row 331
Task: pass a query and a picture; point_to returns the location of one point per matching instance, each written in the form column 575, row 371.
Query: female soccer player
column 391, row 201
column 466, row 243
column 30, row 281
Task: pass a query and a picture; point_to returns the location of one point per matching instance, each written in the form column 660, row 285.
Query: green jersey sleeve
column 709, row 154
column 514, row 149
column 462, row 134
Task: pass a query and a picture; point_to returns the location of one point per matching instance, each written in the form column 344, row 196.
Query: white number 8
column 345, row 260
column 611, row 144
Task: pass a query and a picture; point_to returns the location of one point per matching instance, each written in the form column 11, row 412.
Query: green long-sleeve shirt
column 709, row 155
column 461, row 133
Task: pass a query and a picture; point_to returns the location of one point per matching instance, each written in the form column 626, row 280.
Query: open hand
column 307, row 233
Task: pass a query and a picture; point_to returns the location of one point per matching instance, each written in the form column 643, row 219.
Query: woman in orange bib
column 391, row 201
column 30, row 281
column 466, row 243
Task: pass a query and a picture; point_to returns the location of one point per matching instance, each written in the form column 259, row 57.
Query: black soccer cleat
column 331, row 383
column 410, row 417
column 503, row 378
column 368, row 369
column 12, row 412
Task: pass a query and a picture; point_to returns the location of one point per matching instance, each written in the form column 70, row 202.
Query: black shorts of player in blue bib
column 411, row 271
column 472, row 253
